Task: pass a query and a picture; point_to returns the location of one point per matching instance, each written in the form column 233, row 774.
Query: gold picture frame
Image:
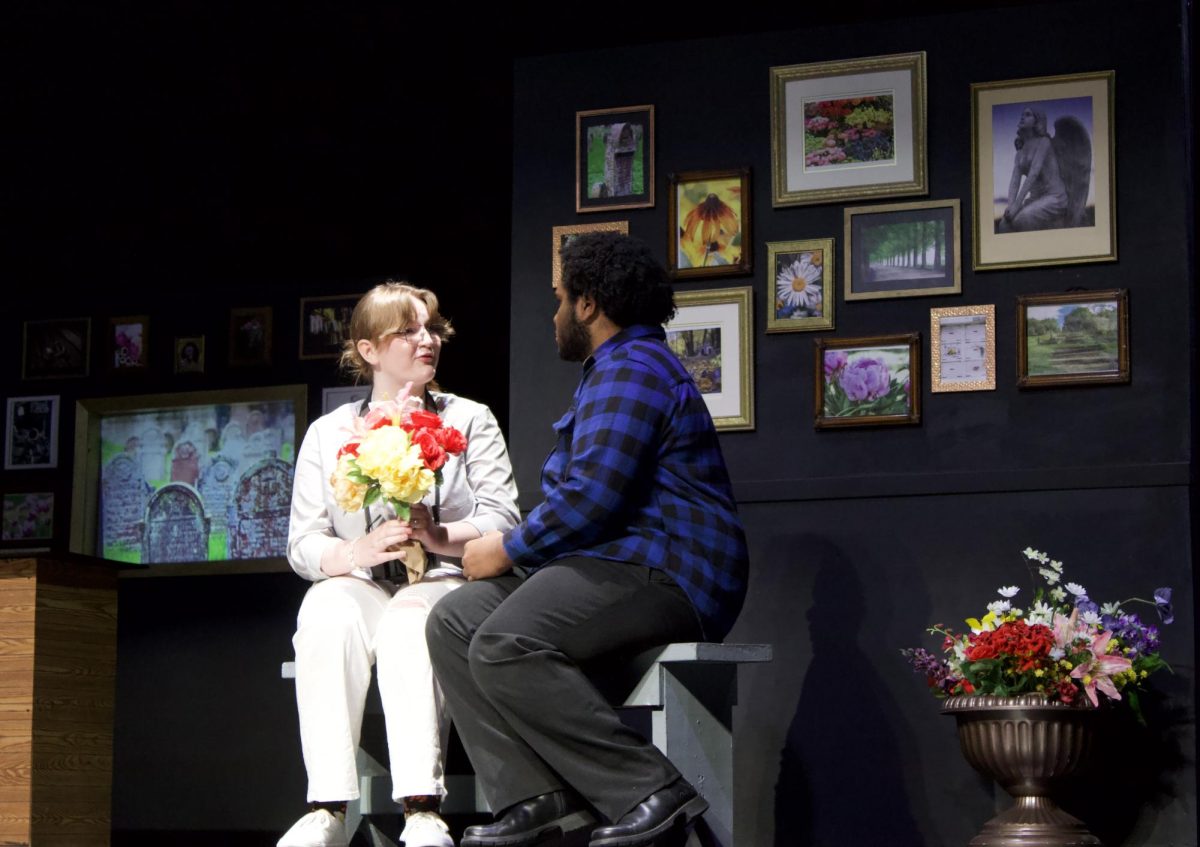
column 560, row 236
column 709, row 327
column 902, row 250
column 1073, row 218
column 868, row 117
column 962, row 348
column 800, row 285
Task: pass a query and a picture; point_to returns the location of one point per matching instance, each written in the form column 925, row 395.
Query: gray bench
column 681, row 696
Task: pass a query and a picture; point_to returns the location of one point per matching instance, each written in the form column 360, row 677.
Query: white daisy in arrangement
column 1009, row 591
column 1076, row 589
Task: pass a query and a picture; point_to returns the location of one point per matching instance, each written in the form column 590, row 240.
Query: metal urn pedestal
column 1028, row 745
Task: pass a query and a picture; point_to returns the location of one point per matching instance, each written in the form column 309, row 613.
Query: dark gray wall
column 860, row 539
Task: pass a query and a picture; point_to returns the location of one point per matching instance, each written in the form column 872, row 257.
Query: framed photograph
column 902, row 250
column 250, row 336
column 708, row 218
column 848, row 130
column 56, row 349
column 331, row 398
column 31, row 433
column 28, row 517
column 325, row 325
column 962, row 348
column 188, row 483
column 712, row 333
column 562, row 235
column 1078, row 338
column 867, row 381
column 1044, row 171
column 189, row 355
column 614, row 159
column 129, row 340
column 800, row 278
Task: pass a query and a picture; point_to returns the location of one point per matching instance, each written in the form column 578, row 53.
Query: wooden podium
column 58, row 661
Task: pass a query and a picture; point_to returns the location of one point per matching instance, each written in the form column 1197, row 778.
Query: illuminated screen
column 195, row 483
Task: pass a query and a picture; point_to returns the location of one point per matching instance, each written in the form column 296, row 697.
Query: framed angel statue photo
column 1044, row 171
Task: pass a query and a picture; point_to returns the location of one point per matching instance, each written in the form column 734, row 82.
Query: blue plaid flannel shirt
column 637, row 476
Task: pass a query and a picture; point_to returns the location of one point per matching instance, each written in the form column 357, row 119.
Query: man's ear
column 586, row 308
column 367, row 350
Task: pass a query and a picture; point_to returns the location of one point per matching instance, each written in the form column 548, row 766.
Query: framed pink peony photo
column 873, row 381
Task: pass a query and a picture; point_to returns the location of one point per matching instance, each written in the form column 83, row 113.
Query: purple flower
column 936, row 672
column 835, row 360
column 1142, row 640
column 1162, row 602
column 865, row 379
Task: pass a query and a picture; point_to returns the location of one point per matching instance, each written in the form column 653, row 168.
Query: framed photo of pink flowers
column 848, row 130
column 800, row 285
column 708, row 218
column 129, row 343
column 873, row 381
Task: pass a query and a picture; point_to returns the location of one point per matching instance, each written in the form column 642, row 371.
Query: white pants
column 345, row 625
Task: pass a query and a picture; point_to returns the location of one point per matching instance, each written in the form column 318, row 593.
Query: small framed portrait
column 712, row 334
column 848, row 130
column 31, row 433
column 331, row 398
column 962, row 348
column 800, row 278
column 325, row 325
column 614, row 159
column 28, row 517
column 250, row 336
column 561, row 236
column 129, row 339
column 872, row 381
column 189, row 355
column 56, row 349
column 1077, row 338
column 708, row 218
column 902, row 250
column 1044, row 171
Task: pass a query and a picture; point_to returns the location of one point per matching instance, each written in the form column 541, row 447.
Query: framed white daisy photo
column 800, row 285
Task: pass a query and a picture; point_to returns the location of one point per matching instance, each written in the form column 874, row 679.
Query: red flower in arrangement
column 433, row 454
column 1016, row 639
column 421, row 419
column 350, row 448
column 451, row 440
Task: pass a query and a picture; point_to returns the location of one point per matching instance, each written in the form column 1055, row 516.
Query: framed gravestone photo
column 188, row 483
column 614, row 159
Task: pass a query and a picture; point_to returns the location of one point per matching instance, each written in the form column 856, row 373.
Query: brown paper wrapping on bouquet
column 414, row 560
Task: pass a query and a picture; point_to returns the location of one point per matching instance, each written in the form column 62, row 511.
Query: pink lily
column 1096, row 672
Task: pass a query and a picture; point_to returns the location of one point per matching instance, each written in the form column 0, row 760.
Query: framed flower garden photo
column 708, row 218
column 871, row 381
column 848, row 130
column 800, row 278
column 712, row 333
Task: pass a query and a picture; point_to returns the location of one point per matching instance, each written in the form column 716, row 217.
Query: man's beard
column 574, row 343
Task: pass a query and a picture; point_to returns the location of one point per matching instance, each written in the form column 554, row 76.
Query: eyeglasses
column 412, row 334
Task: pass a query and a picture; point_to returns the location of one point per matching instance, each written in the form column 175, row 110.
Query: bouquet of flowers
column 1065, row 645
column 395, row 453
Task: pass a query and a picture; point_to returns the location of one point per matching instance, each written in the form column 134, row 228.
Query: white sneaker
column 426, row 829
column 321, row 828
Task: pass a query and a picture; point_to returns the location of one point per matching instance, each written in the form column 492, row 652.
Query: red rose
column 350, row 447
column 451, row 439
column 432, row 452
column 422, row 420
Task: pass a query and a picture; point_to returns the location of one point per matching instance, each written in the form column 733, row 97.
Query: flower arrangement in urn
column 1065, row 646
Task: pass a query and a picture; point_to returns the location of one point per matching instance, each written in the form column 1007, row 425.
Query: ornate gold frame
column 988, row 383
column 560, row 232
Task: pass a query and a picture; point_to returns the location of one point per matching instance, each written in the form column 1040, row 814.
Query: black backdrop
column 176, row 160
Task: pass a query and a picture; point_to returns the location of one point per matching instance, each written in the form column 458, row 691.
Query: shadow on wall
column 841, row 770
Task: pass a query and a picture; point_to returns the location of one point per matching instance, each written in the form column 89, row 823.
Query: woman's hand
column 376, row 547
column 424, row 529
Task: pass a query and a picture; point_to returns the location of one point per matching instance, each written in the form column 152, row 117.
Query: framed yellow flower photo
column 708, row 218
column 800, row 285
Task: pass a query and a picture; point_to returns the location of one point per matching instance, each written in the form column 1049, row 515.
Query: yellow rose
column 347, row 493
column 388, row 455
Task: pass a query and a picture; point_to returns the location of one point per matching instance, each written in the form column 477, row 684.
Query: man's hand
column 484, row 557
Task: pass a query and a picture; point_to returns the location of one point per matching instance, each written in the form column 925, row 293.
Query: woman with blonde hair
column 361, row 610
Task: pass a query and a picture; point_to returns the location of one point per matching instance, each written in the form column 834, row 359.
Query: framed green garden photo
column 1076, row 338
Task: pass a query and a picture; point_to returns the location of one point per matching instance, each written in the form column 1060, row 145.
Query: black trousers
column 508, row 653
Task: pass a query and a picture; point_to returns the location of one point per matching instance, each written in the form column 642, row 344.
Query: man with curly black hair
column 637, row 544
